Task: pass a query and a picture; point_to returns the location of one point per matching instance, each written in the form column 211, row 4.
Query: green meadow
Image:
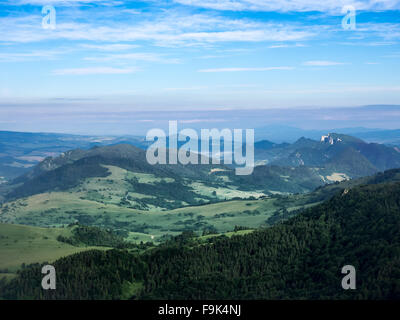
column 57, row 209
column 30, row 225
column 21, row 244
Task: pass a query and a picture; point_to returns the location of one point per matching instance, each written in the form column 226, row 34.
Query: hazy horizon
column 124, row 122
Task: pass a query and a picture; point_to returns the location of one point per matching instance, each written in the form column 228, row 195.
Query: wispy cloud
column 30, row 56
column 332, row 6
column 368, row 44
column 154, row 36
column 110, row 47
column 150, row 57
column 342, row 89
column 94, row 70
column 245, row 69
column 170, row 30
column 188, row 121
column 65, row 2
column 132, row 11
column 194, row 88
column 322, row 63
column 296, row 45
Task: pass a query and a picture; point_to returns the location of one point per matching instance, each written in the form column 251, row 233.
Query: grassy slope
column 97, row 202
column 59, row 208
column 25, row 244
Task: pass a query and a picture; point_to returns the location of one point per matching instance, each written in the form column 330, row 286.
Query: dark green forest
column 94, row 236
column 300, row 258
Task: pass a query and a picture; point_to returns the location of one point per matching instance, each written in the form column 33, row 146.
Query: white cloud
column 333, row 6
column 188, row 121
column 110, row 47
column 245, row 69
column 170, row 30
column 334, row 89
column 366, row 89
column 322, row 63
column 149, row 57
column 132, row 11
column 94, row 70
column 29, row 56
column 194, row 88
column 368, row 44
column 179, row 28
column 277, row 46
column 64, row 2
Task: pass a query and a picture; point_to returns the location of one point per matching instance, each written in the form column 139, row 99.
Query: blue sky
column 125, row 56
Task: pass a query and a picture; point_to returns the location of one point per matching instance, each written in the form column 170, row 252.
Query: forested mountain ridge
column 334, row 153
column 70, row 168
column 300, row 258
column 21, row 151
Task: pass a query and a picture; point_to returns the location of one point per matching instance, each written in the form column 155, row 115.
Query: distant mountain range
column 289, row 168
column 336, row 153
column 20, row 152
column 288, row 134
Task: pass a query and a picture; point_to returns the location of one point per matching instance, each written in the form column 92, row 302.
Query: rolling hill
column 301, row 258
column 298, row 167
column 114, row 187
column 21, row 151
